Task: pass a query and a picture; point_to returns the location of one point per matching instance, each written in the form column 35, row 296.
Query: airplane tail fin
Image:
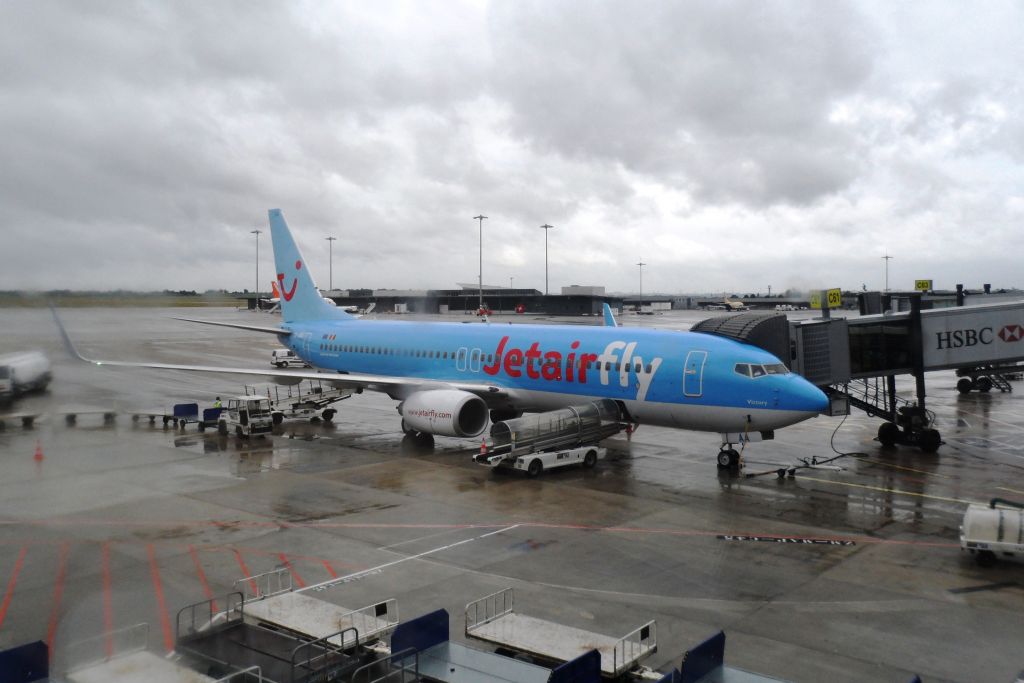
column 300, row 299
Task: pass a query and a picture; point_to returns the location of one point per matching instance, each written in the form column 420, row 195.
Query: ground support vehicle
column 286, row 358
column 311, row 400
column 706, row 664
column 270, row 600
column 535, row 463
column 494, row 619
column 221, row 643
column 246, row 416
column 992, row 530
column 21, row 373
column 422, row 651
column 552, row 439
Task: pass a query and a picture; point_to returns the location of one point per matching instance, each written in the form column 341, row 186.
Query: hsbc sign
column 963, row 336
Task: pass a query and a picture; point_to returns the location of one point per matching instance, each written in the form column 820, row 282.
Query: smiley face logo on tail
column 289, row 293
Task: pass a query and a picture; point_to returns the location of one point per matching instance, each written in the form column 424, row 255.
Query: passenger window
column 637, row 368
column 648, row 369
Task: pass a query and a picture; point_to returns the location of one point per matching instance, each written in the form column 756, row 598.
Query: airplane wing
column 397, row 387
column 240, row 326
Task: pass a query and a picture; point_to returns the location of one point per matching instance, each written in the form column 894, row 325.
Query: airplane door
column 693, row 373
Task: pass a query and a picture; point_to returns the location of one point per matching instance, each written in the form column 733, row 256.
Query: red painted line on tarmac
column 108, row 611
column 58, row 592
column 202, row 577
column 295, row 574
column 9, row 593
column 165, row 620
column 330, row 569
column 246, row 573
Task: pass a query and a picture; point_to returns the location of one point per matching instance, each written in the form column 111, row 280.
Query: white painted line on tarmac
column 376, row 570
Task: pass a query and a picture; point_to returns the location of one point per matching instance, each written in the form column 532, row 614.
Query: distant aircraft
column 451, row 377
column 731, row 305
column 276, row 301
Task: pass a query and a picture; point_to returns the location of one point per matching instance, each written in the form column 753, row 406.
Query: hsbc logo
column 1011, row 333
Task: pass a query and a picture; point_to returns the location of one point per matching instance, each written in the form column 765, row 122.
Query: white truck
column 283, row 358
column 246, row 416
column 996, row 528
column 21, row 373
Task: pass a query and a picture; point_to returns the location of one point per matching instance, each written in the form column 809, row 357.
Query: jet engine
column 448, row 412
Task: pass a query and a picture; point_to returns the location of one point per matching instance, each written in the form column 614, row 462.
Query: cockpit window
column 756, row 370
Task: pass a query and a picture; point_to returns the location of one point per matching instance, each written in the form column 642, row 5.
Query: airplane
column 276, row 301
column 452, row 379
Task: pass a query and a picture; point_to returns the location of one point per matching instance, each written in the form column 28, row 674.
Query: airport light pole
column 887, row 259
column 257, row 292
column 510, row 279
column 545, row 228
column 641, row 263
column 481, row 218
column 330, row 262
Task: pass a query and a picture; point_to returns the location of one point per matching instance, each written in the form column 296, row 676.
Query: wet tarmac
column 128, row 522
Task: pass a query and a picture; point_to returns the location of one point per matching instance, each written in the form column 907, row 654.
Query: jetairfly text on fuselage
column 548, row 365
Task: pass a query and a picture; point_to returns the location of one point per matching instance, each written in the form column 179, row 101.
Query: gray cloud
column 142, row 142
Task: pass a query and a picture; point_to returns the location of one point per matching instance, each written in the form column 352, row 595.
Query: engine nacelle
column 448, row 412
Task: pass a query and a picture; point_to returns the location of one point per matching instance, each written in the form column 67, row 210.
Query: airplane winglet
column 609, row 317
column 68, row 344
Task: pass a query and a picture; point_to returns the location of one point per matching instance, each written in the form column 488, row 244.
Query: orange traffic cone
column 38, row 457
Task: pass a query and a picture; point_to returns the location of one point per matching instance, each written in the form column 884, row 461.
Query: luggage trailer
column 493, row 619
column 290, row 636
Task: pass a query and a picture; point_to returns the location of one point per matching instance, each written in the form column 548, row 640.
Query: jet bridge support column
column 911, row 424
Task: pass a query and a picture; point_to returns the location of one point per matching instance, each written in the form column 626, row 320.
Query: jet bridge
column 856, row 360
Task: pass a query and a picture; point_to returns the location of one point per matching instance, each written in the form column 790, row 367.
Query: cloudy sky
column 729, row 145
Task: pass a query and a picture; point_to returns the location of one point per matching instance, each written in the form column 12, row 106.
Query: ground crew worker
column 217, row 403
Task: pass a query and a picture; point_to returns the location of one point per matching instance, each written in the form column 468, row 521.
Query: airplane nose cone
column 813, row 399
column 802, row 396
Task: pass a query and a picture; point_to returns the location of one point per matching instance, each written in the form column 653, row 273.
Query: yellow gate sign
column 833, row 298
column 923, row 285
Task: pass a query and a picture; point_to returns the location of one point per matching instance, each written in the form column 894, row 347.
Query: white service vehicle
column 535, row 463
column 23, row 372
column 246, row 416
column 996, row 528
column 284, row 358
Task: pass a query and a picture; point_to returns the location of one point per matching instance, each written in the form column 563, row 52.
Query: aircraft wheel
column 535, row 468
column 590, row 459
column 888, row 432
column 728, row 459
column 984, row 385
column 930, row 440
column 965, row 385
column 425, row 440
column 281, row 364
